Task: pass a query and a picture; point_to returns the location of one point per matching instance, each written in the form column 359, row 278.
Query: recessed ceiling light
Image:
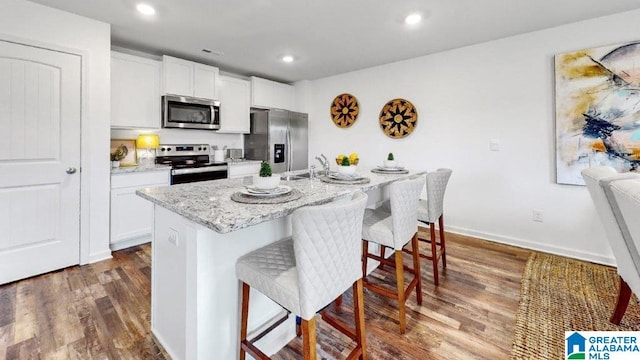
column 145, row 9
column 413, row 19
column 287, row 58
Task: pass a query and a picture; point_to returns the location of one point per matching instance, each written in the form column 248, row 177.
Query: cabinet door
column 271, row 94
column 235, row 99
column 135, row 92
column 283, row 94
column 179, row 76
column 205, row 78
column 131, row 215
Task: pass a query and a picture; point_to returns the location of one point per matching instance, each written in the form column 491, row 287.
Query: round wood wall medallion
column 398, row 118
column 344, row 110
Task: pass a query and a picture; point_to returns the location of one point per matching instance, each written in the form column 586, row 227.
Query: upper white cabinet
column 271, row 94
column 235, row 101
column 135, row 91
column 188, row 78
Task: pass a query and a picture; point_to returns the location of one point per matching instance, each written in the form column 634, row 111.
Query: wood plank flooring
column 101, row 311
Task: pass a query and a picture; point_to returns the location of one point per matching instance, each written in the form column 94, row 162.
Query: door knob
column 71, row 170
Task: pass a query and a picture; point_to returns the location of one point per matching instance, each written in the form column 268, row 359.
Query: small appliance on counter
column 235, row 154
column 190, row 163
column 218, row 156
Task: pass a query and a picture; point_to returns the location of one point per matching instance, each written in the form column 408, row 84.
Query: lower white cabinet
column 131, row 215
column 241, row 169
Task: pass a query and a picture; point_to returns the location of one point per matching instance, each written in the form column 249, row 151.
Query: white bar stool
column 430, row 211
column 394, row 230
column 306, row 273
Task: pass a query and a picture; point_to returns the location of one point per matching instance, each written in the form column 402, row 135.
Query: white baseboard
column 527, row 244
column 129, row 243
column 104, row 255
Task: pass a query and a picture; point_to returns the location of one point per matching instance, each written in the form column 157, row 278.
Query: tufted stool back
column 327, row 247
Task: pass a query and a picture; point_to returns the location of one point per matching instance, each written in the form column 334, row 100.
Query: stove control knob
column 168, row 149
column 199, row 149
column 204, row 148
column 162, row 149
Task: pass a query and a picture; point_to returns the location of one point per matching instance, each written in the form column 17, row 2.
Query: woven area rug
column 560, row 294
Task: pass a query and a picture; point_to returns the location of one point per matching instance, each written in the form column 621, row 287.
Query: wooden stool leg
column 443, row 247
column 382, row 249
column 365, row 256
column 434, row 257
column 400, row 283
column 309, row 339
column 244, row 318
column 416, row 267
column 337, row 302
column 623, row 301
column 358, row 310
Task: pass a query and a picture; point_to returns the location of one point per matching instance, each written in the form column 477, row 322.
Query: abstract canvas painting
column 597, row 110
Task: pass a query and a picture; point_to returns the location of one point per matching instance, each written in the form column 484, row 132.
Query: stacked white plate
column 345, row 177
column 390, row 169
column 252, row 191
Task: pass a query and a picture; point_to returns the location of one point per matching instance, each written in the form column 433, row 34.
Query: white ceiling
column 327, row 37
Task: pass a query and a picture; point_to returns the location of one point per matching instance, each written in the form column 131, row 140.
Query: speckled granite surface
column 139, row 168
column 209, row 202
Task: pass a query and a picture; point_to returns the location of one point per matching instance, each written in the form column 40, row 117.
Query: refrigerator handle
column 288, row 147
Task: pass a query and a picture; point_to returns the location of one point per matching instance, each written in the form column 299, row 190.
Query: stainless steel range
column 190, row 163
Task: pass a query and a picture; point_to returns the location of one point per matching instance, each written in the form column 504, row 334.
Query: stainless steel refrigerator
column 280, row 137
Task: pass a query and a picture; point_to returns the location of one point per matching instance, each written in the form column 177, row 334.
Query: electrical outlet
column 173, row 237
column 538, row 215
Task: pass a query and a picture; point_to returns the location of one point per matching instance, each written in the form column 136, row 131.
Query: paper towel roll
column 218, row 155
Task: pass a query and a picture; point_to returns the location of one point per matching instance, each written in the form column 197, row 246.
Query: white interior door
column 39, row 160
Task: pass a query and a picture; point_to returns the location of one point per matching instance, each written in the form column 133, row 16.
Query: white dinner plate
column 345, row 177
column 390, row 169
column 280, row 190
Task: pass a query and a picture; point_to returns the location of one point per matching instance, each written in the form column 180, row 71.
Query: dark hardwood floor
column 101, row 311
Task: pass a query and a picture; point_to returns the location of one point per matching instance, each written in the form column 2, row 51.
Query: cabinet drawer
column 141, row 179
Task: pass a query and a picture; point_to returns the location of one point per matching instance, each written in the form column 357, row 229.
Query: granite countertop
column 209, row 203
column 139, row 168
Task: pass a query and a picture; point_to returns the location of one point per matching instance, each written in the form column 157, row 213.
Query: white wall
column 497, row 90
column 33, row 22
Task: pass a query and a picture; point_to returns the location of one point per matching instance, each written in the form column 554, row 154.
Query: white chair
column 626, row 194
column 598, row 181
column 306, row 273
column 430, row 211
column 394, row 230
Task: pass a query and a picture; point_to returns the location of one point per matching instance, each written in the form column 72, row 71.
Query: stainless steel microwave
column 190, row 113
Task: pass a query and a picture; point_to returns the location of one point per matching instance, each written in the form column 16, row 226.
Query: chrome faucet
column 325, row 164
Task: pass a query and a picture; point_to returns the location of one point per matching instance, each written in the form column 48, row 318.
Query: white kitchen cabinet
column 271, row 94
column 235, row 100
column 188, row 78
column 135, row 92
column 131, row 215
column 240, row 169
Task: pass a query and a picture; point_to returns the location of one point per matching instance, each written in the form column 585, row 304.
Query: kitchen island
column 199, row 233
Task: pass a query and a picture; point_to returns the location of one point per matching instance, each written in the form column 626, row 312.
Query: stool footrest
column 253, row 351
column 339, row 325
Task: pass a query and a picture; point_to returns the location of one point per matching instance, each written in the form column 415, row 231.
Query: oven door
column 181, row 176
column 190, row 113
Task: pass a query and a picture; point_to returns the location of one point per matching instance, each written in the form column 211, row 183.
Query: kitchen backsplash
column 184, row 136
